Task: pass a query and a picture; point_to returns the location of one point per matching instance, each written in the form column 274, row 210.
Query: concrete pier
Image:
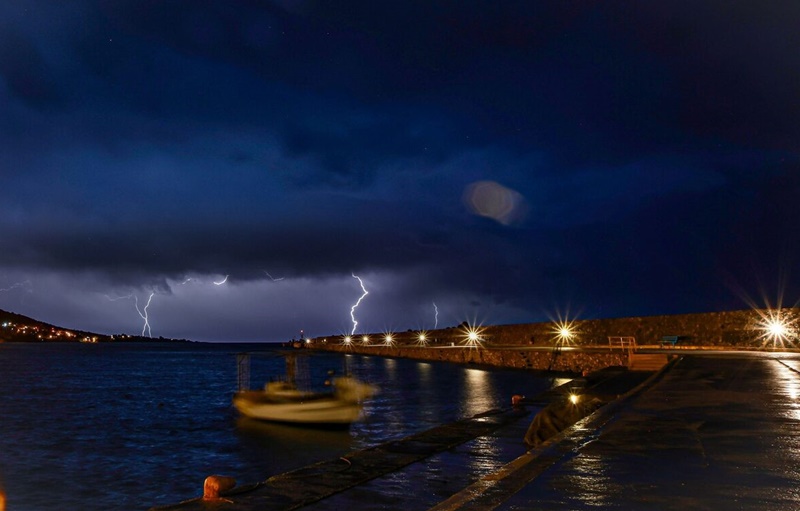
column 717, row 431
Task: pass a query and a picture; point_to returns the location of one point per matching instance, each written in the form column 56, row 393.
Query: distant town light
column 348, row 340
column 365, row 339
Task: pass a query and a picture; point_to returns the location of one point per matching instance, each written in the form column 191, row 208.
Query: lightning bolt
column 436, row 318
column 222, row 281
column 25, row 287
column 273, row 279
column 24, row 283
column 143, row 313
column 127, row 297
column 355, row 306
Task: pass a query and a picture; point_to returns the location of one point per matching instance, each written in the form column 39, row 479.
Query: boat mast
column 243, row 371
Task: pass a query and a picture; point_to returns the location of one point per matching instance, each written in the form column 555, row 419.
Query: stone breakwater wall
column 743, row 329
column 570, row 362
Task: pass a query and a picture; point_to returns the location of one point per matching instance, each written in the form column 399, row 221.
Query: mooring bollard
column 214, row 485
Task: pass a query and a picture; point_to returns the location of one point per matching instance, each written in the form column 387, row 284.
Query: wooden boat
column 283, row 401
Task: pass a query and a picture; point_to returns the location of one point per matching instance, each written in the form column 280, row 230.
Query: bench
column 669, row 339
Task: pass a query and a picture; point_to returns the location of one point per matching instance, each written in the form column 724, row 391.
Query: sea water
column 130, row 426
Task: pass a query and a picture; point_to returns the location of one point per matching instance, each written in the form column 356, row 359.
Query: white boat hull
column 280, row 402
column 256, row 405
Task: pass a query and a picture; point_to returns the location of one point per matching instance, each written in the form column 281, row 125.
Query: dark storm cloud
column 651, row 148
column 24, row 69
column 733, row 66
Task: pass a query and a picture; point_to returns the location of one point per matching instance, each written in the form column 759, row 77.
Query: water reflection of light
column 479, row 392
column 788, row 385
column 424, row 369
column 484, row 455
column 391, row 366
column 590, row 482
column 557, row 382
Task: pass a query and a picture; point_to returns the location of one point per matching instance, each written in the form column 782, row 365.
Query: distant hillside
column 18, row 328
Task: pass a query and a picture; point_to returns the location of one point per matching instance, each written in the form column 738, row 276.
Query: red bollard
column 214, row 485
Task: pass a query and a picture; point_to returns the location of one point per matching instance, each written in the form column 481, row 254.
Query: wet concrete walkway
column 713, row 432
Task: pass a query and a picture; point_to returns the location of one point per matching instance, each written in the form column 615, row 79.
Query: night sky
column 495, row 162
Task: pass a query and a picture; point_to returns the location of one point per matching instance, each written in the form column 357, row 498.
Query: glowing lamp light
column 564, row 331
column 388, row 340
column 776, row 328
column 365, row 339
column 473, row 336
column 347, row 340
column 574, row 398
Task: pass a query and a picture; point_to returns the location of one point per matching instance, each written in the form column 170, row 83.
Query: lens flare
column 347, row 341
column 422, row 338
column 365, row 339
column 472, row 335
column 388, row 339
column 776, row 328
column 564, row 330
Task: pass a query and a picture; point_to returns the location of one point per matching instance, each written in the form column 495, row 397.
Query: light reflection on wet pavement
column 426, row 483
column 715, row 433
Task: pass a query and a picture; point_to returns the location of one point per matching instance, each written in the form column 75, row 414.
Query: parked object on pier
column 283, row 401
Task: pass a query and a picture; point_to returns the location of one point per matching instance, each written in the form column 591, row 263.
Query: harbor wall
column 550, row 360
column 508, row 345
